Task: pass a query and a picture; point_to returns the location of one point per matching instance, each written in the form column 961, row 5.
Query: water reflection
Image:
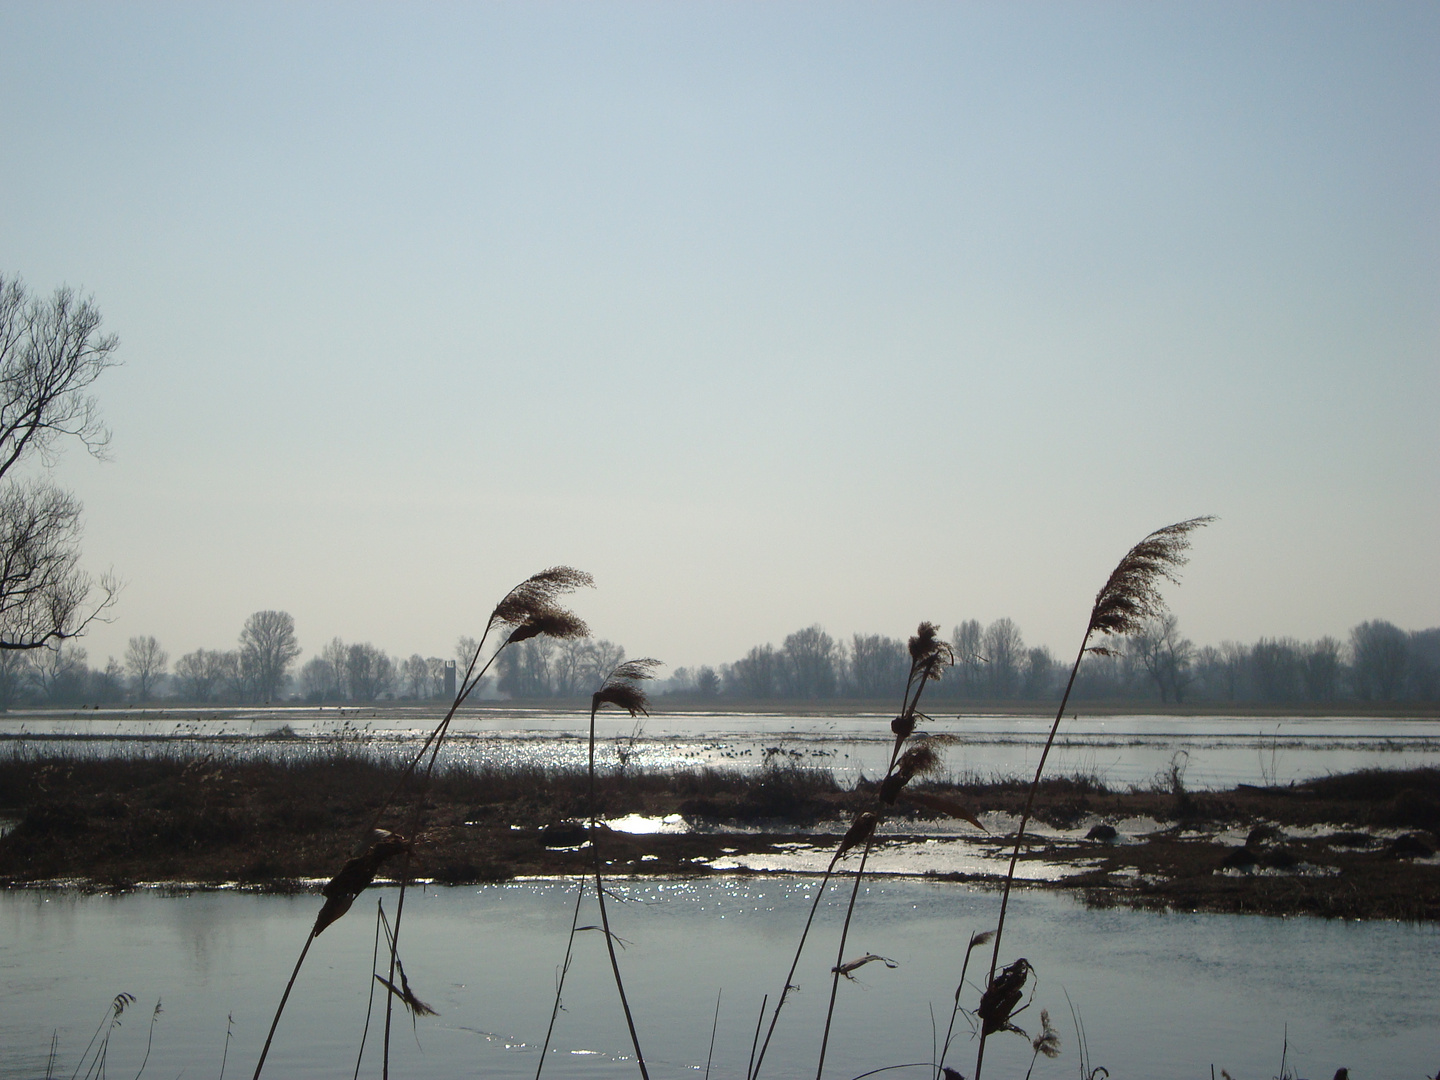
column 1161, row 995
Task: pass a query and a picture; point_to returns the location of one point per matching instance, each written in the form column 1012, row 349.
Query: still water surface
column 1219, row 752
column 1159, row 995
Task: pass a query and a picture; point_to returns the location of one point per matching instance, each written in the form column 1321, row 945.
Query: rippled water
column 1159, row 995
column 1121, row 750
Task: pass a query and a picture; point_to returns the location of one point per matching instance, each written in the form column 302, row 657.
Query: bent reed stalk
column 621, row 689
column 528, row 610
column 1129, row 598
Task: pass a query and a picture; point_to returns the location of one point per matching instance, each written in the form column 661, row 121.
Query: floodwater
column 1218, row 752
column 1158, row 995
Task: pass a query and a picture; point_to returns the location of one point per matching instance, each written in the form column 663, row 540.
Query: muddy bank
column 1355, row 846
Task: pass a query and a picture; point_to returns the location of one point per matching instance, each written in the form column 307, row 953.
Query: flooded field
column 1218, row 752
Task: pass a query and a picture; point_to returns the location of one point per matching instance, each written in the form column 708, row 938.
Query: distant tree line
column 1378, row 663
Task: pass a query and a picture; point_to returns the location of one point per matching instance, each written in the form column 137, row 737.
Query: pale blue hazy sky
column 765, row 315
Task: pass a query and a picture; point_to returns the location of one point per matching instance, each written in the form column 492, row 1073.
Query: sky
column 765, row 315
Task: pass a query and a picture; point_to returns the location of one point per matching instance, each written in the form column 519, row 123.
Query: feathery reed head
column 1048, row 1041
column 554, row 622
column 534, row 598
column 1132, row 594
column 916, row 761
column 620, row 689
column 929, row 652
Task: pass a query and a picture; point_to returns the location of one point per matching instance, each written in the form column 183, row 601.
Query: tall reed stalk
column 621, row 688
column 929, row 655
column 526, row 611
column 1130, row 598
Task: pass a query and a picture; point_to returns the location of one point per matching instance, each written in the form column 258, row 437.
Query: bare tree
column 369, row 673
column 1322, row 669
column 146, row 662
column 201, row 674
column 59, row 673
column 809, row 664
column 333, row 654
column 267, row 649
column 571, row 667
column 754, row 675
column 416, row 673
column 51, row 351
column 1004, row 647
column 1380, row 651
column 602, row 658
column 878, row 665
column 13, row 670
column 317, row 680
column 1165, row 655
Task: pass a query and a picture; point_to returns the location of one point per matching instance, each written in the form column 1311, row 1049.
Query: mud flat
column 1359, row 846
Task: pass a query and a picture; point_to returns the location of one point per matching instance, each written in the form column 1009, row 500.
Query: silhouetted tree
column 267, row 649
column 878, row 665
column 51, row 351
column 369, row 673
column 524, row 669
column 200, row 674
column 1380, row 653
column 416, row 675
column 60, row 673
column 145, row 662
column 1004, row 647
column 1322, row 669
column 317, row 681
column 809, row 664
column 756, row 675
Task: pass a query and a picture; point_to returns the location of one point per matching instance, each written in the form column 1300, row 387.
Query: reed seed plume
column 917, row 761
column 929, row 652
column 535, row 596
column 1048, row 1041
column 1131, row 596
column 620, row 689
column 552, row 622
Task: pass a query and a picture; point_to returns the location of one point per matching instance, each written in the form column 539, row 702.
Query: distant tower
column 450, row 678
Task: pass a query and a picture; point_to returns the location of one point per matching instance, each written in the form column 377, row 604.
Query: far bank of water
column 1159, row 995
column 1217, row 752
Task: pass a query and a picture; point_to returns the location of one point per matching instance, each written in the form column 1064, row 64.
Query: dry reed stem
column 621, row 689
column 977, row 939
column 560, row 979
column 1129, row 596
column 528, row 609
